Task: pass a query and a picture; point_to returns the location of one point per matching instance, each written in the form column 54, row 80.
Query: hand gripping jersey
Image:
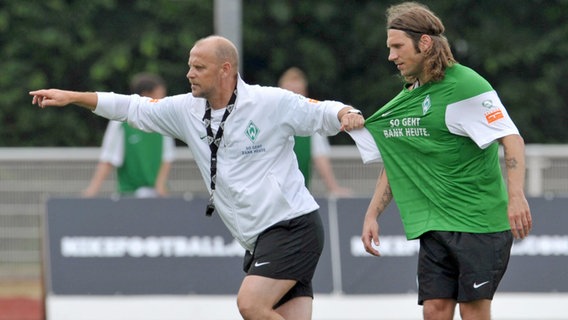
column 438, row 146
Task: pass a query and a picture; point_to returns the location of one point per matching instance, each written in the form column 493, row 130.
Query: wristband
column 356, row 111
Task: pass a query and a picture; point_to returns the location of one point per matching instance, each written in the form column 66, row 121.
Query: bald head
column 213, row 70
column 223, row 49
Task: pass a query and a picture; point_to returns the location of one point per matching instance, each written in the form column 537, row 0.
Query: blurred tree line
column 521, row 47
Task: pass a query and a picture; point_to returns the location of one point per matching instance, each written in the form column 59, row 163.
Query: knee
column 248, row 309
column 437, row 309
column 478, row 309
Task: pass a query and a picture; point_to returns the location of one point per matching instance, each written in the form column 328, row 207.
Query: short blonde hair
column 293, row 74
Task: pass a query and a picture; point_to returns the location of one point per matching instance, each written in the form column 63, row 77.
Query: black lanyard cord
column 214, row 141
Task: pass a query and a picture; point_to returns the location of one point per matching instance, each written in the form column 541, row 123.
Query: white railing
column 29, row 175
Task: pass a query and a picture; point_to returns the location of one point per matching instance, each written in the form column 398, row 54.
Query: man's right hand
column 60, row 98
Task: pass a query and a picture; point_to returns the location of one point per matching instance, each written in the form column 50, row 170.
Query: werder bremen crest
column 426, row 104
column 252, row 131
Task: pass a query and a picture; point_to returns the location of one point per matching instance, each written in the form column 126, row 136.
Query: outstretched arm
column 518, row 210
column 381, row 199
column 60, row 98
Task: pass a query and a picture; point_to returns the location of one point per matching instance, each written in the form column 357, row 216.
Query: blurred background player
column 142, row 160
column 315, row 148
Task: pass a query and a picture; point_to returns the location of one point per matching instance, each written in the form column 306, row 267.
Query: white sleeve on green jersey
column 112, row 148
column 366, row 145
column 482, row 118
column 320, row 146
column 168, row 149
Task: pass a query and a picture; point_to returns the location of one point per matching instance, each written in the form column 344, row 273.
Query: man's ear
column 425, row 42
column 226, row 69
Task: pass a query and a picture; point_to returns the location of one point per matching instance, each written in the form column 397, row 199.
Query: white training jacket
column 258, row 181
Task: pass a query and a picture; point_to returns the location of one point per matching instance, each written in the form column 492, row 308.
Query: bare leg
column 299, row 308
column 258, row 295
column 476, row 310
column 439, row 309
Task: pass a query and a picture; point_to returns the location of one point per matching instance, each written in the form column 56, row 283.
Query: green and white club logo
column 426, row 104
column 252, row 131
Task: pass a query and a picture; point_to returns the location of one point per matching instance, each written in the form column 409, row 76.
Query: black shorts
column 462, row 266
column 289, row 249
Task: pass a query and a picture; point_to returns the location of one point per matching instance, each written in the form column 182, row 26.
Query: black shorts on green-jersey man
column 462, row 266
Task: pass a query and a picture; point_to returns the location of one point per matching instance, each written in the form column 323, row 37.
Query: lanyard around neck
column 214, row 141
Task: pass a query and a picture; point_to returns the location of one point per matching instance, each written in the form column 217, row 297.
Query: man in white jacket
column 242, row 137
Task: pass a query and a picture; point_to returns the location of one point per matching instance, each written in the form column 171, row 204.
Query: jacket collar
column 243, row 97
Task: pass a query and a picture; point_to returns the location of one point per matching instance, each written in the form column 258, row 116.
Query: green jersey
column 437, row 142
column 303, row 151
column 142, row 159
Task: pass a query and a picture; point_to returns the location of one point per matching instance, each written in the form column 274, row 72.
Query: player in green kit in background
column 439, row 139
column 142, row 160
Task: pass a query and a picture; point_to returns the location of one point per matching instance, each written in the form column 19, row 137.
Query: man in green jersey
column 142, row 160
column 439, row 139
